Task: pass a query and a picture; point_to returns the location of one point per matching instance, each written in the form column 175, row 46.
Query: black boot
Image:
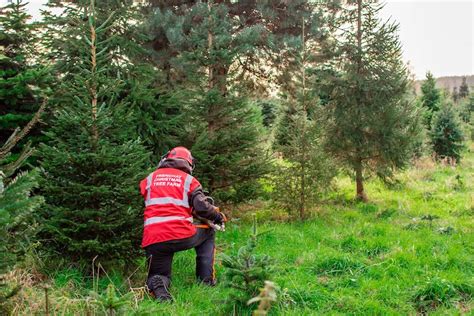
column 159, row 285
column 209, row 281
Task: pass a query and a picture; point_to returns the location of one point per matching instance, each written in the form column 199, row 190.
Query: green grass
column 382, row 258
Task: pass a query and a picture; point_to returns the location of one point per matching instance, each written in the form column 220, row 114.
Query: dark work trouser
column 160, row 255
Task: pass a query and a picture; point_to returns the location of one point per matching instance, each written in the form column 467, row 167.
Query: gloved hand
column 221, row 218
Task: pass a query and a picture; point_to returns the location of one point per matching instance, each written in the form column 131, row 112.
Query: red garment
column 167, row 215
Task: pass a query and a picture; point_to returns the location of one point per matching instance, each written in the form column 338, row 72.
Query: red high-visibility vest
column 167, row 215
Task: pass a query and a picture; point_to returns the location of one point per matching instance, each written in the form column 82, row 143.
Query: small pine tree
column 430, row 97
column 246, row 272
column 446, row 134
column 463, row 89
column 22, row 79
column 110, row 303
column 306, row 169
column 94, row 158
column 16, row 205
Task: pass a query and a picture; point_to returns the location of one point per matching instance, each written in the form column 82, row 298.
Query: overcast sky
column 436, row 35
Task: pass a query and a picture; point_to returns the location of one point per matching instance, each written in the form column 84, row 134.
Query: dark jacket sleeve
column 202, row 207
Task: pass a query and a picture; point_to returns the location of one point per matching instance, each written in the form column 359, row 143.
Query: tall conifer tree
column 371, row 126
column 94, row 158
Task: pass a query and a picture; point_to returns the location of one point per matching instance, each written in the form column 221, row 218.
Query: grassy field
column 410, row 250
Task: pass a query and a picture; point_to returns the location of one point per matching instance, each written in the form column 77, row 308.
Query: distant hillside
column 448, row 82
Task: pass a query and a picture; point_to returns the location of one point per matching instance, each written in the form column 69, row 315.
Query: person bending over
column 171, row 195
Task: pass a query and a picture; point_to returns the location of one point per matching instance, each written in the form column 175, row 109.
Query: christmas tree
column 306, row 170
column 94, row 159
column 430, row 97
column 371, row 125
column 246, row 271
column 446, row 134
column 455, row 94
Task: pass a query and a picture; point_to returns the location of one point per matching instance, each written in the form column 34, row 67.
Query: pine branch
column 10, row 168
column 18, row 134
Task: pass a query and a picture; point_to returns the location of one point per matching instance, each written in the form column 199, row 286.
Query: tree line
column 274, row 99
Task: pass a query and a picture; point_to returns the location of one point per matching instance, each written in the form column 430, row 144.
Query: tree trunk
column 360, row 192
column 303, row 132
column 93, row 87
column 302, row 194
